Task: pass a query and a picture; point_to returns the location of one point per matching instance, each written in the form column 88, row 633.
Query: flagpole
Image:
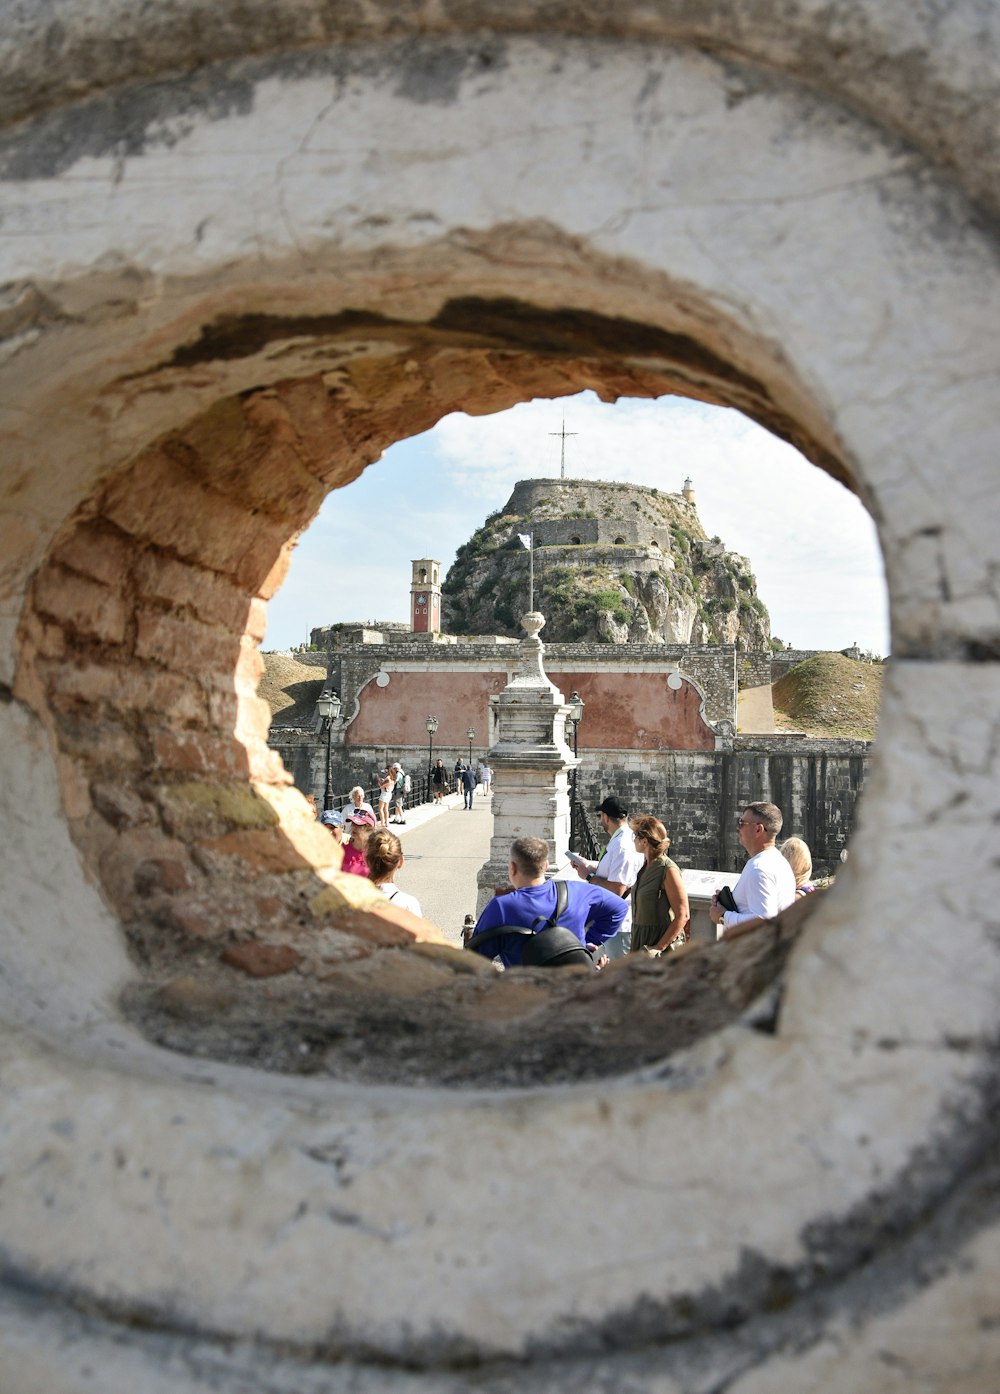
column 527, row 539
column 531, row 573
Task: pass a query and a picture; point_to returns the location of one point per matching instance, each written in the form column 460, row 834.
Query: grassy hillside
column 290, row 689
column 830, row 695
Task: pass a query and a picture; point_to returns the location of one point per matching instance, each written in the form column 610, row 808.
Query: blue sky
column 811, row 544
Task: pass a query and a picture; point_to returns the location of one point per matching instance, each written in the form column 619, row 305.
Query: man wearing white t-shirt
column 767, row 882
column 617, row 869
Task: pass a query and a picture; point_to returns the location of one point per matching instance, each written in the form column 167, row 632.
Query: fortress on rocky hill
column 657, row 626
column 615, row 563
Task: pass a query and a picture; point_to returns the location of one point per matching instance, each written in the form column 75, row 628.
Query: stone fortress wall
column 689, row 773
column 352, row 654
column 712, row 667
column 588, row 522
column 698, row 794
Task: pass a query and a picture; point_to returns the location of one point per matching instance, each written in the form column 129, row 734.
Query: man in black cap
column 617, row 869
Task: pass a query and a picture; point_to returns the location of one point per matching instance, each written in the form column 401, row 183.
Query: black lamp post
column 575, row 714
column 470, row 736
column 328, row 705
column 432, row 724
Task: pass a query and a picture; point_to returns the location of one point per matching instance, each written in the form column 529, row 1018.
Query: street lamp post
column 432, row 724
column 470, row 736
column 575, row 714
column 328, row 705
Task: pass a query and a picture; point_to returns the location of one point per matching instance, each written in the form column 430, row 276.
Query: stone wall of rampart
column 700, row 794
column 711, row 666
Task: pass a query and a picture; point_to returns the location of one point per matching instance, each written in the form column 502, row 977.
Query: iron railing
column 420, row 792
column 582, row 838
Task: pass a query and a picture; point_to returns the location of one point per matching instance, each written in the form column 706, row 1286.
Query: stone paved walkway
column 444, row 849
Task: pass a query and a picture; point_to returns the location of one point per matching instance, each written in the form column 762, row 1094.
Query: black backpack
column 552, row 946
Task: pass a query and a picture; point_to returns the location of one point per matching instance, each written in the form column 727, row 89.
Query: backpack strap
column 562, row 900
column 484, row 935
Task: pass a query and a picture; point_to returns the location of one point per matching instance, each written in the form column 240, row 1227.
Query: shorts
column 399, row 796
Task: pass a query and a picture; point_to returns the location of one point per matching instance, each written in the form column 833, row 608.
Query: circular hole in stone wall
column 741, row 190
column 251, row 945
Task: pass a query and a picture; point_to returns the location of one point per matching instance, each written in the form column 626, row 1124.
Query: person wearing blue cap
column 334, row 821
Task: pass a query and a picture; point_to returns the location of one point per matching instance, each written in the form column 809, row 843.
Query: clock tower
column 425, row 597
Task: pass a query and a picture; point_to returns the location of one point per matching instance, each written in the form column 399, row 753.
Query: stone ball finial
column 532, row 622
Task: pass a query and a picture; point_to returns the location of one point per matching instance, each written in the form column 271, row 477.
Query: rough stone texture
column 230, row 282
column 699, row 794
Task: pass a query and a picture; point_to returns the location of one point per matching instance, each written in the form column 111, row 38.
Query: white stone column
column 531, row 764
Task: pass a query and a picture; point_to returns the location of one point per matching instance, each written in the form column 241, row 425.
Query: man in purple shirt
column 592, row 914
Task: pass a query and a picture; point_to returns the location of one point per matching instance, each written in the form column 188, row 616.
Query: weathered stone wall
column 711, row 664
column 785, row 659
column 626, row 710
column 599, row 532
column 699, row 795
column 330, row 636
column 601, row 505
column 753, row 670
column 245, row 248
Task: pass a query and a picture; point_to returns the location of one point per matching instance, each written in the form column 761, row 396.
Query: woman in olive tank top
column 660, row 912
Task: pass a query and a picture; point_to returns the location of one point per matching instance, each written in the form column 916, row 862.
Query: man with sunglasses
column 617, row 869
column 767, row 882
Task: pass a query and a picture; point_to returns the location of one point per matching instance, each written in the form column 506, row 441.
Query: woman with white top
column 384, row 854
column 386, row 784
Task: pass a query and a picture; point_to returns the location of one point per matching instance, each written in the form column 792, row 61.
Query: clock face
column 422, row 602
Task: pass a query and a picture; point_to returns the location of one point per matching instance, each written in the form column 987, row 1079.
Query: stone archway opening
column 140, row 651
column 397, row 219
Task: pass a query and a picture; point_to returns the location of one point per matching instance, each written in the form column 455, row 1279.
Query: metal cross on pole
column 562, row 446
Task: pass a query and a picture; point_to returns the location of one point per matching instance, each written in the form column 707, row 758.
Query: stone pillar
column 531, row 763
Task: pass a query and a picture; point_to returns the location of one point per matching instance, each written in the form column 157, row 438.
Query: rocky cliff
column 613, row 562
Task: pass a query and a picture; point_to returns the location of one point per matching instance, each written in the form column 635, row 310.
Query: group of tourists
column 633, row 900
column 393, row 786
column 369, row 848
column 468, row 779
